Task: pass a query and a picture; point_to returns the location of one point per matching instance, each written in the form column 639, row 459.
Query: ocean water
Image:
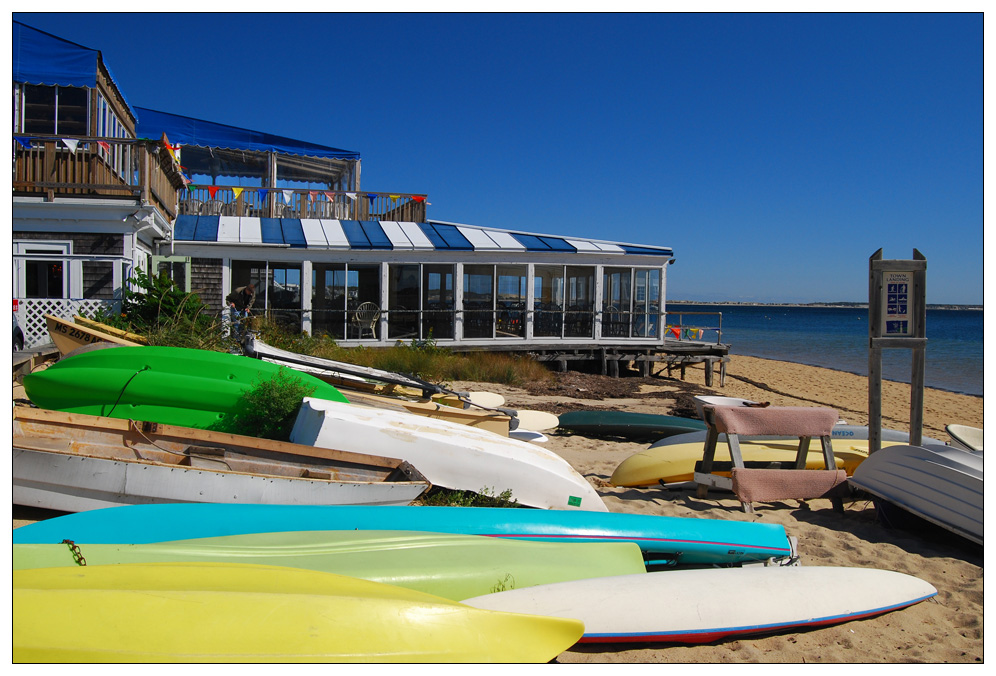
column 837, row 338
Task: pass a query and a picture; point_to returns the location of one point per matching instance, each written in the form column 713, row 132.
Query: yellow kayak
column 676, row 462
column 185, row 612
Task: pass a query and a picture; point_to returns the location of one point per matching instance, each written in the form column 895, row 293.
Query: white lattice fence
column 31, row 314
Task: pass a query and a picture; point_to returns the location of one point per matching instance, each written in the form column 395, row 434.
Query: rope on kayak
column 121, row 393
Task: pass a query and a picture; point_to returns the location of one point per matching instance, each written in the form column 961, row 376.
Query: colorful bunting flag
column 418, row 198
column 237, row 192
column 212, row 190
column 26, row 142
column 288, row 196
column 312, row 194
column 676, row 330
column 105, row 145
column 351, row 195
column 395, row 197
column 71, row 143
column 330, row 195
column 262, row 194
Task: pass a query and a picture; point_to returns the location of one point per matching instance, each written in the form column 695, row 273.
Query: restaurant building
column 103, row 188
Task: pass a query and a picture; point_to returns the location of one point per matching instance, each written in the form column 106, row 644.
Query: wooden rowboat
column 75, row 462
column 113, row 330
column 69, row 336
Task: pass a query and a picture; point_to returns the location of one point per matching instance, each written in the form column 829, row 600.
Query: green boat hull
column 168, row 385
column 627, row 424
column 452, row 566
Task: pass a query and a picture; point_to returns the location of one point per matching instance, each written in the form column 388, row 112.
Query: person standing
column 240, row 303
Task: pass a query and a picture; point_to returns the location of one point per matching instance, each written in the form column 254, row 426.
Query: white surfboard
column 536, row 421
column 449, row 454
column 528, row 435
column 703, row 605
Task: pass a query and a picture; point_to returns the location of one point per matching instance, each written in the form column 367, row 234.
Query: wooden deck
column 673, row 355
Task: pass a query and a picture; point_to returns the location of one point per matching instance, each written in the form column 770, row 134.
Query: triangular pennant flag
column 262, row 193
column 418, row 198
column 288, row 196
column 371, row 196
column 105, row 145
column 191, row 187
column 312, row 194
column 237, row 192
column 212, row 190
column 71, row 143
column 351, row 195
column 330, row 195
column 395, row 197
column 677, row 332
column 24, row 141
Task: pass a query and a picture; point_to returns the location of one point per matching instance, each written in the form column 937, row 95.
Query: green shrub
column 443, row 497
column 268, row 408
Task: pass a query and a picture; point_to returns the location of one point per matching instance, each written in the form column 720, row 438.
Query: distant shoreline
column 930, row 306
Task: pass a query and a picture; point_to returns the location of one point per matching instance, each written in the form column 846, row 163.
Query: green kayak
column 169, row 385
column 627, row 425
column 448, row 565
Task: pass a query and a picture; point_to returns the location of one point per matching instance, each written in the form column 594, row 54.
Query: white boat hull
column 941, row 484
column 448, row 454
column 73, row 483
column 703, row 605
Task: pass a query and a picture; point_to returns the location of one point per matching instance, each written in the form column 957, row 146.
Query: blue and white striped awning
column 313, row 233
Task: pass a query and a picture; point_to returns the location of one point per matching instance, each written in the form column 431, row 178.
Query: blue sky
column 774, row 152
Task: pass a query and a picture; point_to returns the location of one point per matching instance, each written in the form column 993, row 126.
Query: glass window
column 38, row 110
column 511, row 301
column 548, row 307
column 283, row 296
column 580, row 290
column 616, row 300
column 44, row 279
column 55, row 110
column 437, row 301
column 478, row 301
column 646, row 303
column 402, row 301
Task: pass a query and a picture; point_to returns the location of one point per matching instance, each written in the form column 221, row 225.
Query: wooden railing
column 96, row 166
column 280, row 203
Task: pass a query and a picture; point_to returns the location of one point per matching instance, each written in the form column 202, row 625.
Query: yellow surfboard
column 187, row 612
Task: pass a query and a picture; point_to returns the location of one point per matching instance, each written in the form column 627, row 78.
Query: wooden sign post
column 897, row 318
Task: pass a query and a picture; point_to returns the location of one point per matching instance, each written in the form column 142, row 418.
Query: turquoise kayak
column 627, row 424
column 168, row 385
column 661, row 538
column 451, row 566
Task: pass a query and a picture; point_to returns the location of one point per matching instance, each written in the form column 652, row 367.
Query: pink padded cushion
column 768, row 485
column 790, row 421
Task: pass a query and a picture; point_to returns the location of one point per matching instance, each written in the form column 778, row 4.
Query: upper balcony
column 284, row 203
column 97, row 167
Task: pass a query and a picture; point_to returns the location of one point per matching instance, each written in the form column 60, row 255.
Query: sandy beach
column 947, row 629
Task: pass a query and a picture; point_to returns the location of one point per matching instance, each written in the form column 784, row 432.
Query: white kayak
column 942, row 484
column 965, row 437
column 449, row 454
column 704, row 605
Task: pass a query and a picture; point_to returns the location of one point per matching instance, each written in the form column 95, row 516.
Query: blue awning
column 388, row 236
column 191, row 131
column 44, row 59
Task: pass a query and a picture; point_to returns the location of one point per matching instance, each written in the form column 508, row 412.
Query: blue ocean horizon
column 837, row 338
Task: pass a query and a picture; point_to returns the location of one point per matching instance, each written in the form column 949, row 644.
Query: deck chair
column 365, row 319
